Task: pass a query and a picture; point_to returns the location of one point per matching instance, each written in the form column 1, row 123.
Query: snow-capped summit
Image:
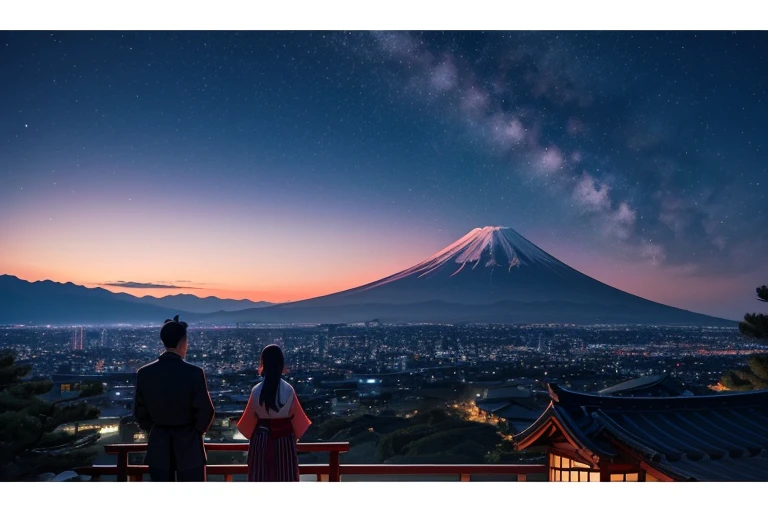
column 491, row 275
column 490, row 247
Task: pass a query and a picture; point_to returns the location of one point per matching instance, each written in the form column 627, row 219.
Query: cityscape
column 494, row 375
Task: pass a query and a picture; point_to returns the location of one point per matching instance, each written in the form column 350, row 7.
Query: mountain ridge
column 50, row 302
column 488, row 267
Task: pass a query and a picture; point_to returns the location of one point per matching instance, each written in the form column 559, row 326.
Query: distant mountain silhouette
column 194, row 304
column 491, row 275
column 48, row 302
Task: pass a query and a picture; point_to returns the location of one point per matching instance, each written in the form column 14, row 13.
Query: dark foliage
column 30, row 443
column 755, row 375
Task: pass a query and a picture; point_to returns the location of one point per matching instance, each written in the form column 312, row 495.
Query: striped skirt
column 272, row 453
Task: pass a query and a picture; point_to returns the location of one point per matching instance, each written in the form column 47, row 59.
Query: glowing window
column 565, row 469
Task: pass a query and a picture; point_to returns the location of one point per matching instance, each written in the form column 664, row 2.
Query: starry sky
column 285, row 165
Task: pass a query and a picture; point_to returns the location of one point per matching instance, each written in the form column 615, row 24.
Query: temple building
column 514, row 404
column 599, row 438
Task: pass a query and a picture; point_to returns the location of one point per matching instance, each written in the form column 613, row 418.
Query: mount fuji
column 490, row 275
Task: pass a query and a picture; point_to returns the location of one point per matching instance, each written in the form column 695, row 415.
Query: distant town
column 344, row 371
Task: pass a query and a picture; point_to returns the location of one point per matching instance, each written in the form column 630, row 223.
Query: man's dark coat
column 172, row 404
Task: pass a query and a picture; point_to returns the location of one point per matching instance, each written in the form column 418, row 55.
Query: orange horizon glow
column 285, row 294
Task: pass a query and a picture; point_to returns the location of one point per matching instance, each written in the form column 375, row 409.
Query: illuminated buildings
column 77, row 339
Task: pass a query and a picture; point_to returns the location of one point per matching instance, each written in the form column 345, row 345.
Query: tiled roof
column 516, row 411
column 647, row 384
column 711, row 438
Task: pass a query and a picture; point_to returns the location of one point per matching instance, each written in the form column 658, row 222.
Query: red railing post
column 122, row 466
column 334, row 469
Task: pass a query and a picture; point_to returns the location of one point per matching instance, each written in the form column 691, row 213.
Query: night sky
column 279, row 166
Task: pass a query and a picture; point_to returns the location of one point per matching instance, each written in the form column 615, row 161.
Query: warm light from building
column 472, row 412
column 564, row 469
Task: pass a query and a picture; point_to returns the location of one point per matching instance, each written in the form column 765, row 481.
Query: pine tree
column 29, row 442
column 756, row 325
column 755, row 376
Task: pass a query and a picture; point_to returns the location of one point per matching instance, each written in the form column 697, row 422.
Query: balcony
column 333, row 471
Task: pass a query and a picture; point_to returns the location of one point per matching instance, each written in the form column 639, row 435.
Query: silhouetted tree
column 755, row 376
column 755, row 325
column 29, row 442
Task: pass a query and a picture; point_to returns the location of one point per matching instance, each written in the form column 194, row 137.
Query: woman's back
column 283, row 399
column 272, row 422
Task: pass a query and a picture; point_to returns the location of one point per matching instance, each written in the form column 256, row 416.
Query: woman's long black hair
column 271, row 365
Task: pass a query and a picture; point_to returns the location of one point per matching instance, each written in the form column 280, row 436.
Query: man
column 172, row 404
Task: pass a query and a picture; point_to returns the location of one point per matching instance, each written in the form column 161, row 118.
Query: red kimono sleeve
column 247, row 423
column 300, row 422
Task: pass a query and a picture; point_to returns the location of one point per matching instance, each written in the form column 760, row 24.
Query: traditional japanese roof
column 517, row 411
column 710, row 438
column 490, row 406
column 651, row 385
column 506, row 393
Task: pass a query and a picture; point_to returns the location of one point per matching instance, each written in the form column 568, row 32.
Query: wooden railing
column 330, row 472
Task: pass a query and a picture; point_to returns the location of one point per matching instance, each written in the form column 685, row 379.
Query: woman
column 273, row 421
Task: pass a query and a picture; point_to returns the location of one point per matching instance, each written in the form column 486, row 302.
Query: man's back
column 171, row 392
column 172, row 404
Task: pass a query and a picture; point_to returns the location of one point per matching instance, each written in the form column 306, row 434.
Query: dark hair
column 173, row 332
column 272, row 363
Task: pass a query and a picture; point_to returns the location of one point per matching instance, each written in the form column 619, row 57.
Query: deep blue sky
column 292, row 164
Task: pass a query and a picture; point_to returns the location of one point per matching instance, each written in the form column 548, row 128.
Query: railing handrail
column 333, row 469
column 442, row 469
column 464, row 471
column 343, row 446
column 333, row 449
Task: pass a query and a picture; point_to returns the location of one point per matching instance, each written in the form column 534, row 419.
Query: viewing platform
column 333, row 471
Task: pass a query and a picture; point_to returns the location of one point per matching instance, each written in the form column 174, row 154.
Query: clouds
column 550, row 159
column 396, row 44
column 619, row 221
column 133, row 284
column 475, row 102
column 653, row 251
column 592, row 197
column 444, row 76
